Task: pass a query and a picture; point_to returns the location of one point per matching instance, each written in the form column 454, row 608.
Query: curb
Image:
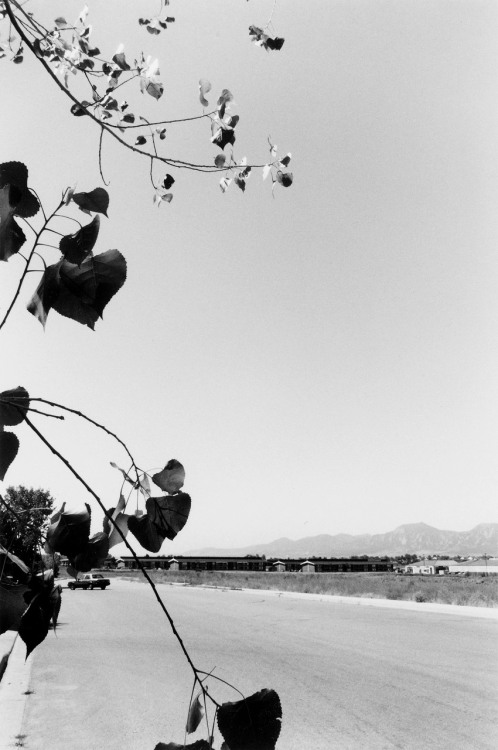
column 487, row 613
column 7, row 640
column 13, row 693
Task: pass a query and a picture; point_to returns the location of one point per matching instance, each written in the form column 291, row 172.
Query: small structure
column 278, row 566
column 307, row 567
column 174, row 564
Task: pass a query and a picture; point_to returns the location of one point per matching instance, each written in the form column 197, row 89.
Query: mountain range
column 414, row 538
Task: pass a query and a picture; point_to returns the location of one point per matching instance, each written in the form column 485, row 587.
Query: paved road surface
column 349, row 677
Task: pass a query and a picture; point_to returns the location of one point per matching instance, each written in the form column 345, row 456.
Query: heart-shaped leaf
column 223, row 136
column 79, row 292
column 168, row 182
column 155, row 89
column 169, row 513
column 195, row 714
column 69, row 534
column 14, row 405
column 252, row 723
column 96, row 201
column 172, row 478
column 9, row 445
column 76, row 247
column 24, row 203
column 285, row 178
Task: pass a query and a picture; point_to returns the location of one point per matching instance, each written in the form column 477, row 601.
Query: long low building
column 254, row 563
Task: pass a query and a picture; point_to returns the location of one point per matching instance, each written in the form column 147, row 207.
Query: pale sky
column 322, row 362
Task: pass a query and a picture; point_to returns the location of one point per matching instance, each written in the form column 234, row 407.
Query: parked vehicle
column 89, row 581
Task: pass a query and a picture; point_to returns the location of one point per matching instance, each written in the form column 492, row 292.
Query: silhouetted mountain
column 414, row 538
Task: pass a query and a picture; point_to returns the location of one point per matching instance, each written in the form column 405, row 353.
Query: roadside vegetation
column 474, row 590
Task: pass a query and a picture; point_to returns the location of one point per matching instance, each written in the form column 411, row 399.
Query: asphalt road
column 349, row 677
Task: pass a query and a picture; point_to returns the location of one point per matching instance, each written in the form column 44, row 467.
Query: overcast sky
column 323, row 361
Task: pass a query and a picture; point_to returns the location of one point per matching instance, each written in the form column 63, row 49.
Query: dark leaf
column 162, row 133
column 77, row 110
column 143, row 21
column 60, row 22
column 97, row 201
column 220, row 160
column 12, row 238
column 120, row 60
column 76, row 247
column 241, row 183
column 94, row 554
column 232, row 121
column 285, row 161
column 111, row 104
column 195, row 714
column 285, row 178
column 223, row 136
column 15, row 173
column 13, row 406
column 252, row 723
column 9, row 445
column 225, row 97
column 69, row 532
column 275, row 43
column 168, row 182
column 86, row 64
column 140, row 140
column 198, row 745
column 166, row 516
column 128, row 117
column 35, row 622
column 79, row 292
column 172, row 478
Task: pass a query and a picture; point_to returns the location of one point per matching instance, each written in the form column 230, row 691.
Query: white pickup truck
column 89, row 581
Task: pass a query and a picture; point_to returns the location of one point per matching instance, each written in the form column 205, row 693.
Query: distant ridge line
column 415, row 538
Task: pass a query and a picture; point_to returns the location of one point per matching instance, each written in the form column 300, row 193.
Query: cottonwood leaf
column 204, row 88
column 168, row 182
column 9, row 445
column 140, row 140
column 94, row 554
column 155, row 90
column 261, row 39
column 15, row 410
column 79, row 292
column 35, row 622
column 253, row 723
column 219, row 160
column 222, row 137
column 128, row 117
column 60, row 22
column 285, row 178
column 96, row 201
column 76, row 247
column 285, row 161
column 161, row 132
column 12, row 238
column 198, row 745
column 195, row 714
column 120, row 60
column 225, row 98
column 162, row 198
column 78, row 110
column 69, row 533
column 172, row 478
column 165, row 517
column 21, row 199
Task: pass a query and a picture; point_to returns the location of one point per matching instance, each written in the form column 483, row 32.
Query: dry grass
column 475, row 590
